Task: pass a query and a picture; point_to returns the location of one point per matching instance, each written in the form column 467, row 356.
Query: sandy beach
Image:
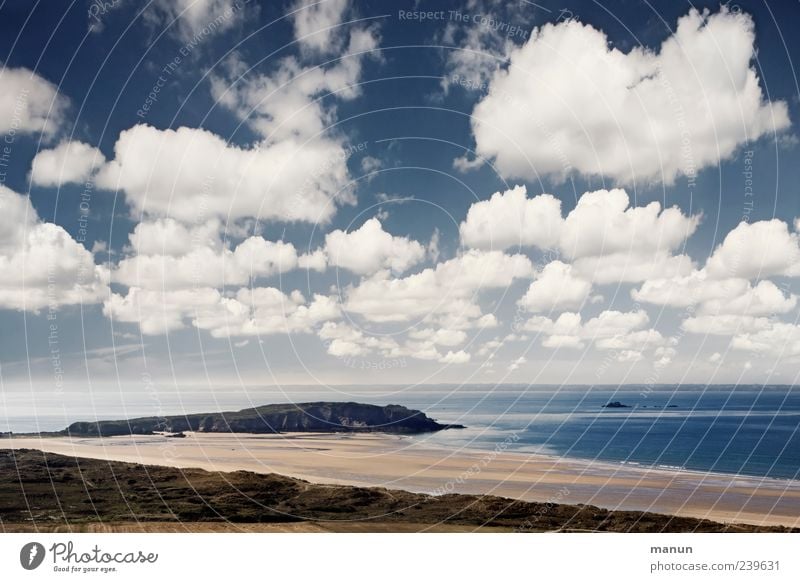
column 397, row 462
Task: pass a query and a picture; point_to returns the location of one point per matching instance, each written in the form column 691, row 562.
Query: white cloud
column 758, row 249
column 70, row 162
column 632, row 267
column 776, row 339
column 287, row 103
column 556, row 289
column 316, row 23
column 724, row 324
column 763, row 299
column 29, row 103
column 41, row 265
column 478, row 50
column 517, row 364
column 446, row 292
column 370, row 164
column 604, row 223
column 684, row 291
column 610, row 330
column 441, row 337
column 257, row 311
column 511, row 219
column 344, row 341
column 193, row 174
column 570, row 101
column 718, row 296
column 195, row 20
column 459, row 357
column 167, row 236
column 370, row 249
column 313, row 261
column 608, row 240
column 169, row 255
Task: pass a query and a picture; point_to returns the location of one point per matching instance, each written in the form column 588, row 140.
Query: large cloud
column 569, row 101
column 192, row 174
column 41, row 265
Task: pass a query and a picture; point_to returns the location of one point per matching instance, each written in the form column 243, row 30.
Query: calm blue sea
column 747, row 430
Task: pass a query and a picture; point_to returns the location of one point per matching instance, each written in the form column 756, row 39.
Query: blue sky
column 215, row 191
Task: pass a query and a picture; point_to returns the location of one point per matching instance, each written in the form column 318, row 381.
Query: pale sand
column 398, row 462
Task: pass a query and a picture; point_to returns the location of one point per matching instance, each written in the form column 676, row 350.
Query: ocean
column 747, row 430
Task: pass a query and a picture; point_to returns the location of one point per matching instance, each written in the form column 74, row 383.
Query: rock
column 615, row 404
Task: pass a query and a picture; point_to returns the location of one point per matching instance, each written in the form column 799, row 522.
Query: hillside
column 47, row 492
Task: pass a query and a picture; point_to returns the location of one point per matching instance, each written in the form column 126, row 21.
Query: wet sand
column 397, row 462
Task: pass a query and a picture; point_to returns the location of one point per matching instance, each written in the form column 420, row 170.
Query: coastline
column 398, row 462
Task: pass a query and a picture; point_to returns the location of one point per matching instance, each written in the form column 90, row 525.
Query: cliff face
column 275, row 418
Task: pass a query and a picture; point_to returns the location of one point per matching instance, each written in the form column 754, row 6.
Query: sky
column 223, row 192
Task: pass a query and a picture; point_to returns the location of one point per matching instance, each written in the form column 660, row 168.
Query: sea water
column 749, row 430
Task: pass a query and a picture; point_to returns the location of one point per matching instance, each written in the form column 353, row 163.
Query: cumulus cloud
column 721, row 295
column 610, row 330
column 369, row 249
column 556, row 288
column 158, row 170
column 167, row 254
column 607, row 239
column 249, row 312
column 604, row 223
column 775, row 339
column 70, row 162
column 459, row 357
column 759, row 249
column 724, row 324
column 189, row 173
column 446, row 292
column 29, row 103
column 343, row 340
column 441, row 336
column 511, row 219
column 631, row 116
column 41, row 265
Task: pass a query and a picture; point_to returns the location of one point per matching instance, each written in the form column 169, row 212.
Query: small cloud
column 370, row 164
column 395, row 198
column 464, row 164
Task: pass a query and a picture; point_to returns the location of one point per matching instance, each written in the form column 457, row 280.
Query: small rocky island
column 272, row 418
column 615, row 404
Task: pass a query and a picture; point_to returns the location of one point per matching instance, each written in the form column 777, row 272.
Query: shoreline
column 397, row 462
